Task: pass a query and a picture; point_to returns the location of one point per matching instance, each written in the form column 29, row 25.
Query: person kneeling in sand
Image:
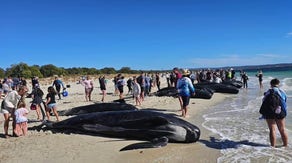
column 21, row 119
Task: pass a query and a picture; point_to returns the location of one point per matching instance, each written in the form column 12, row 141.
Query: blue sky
column 145, row 34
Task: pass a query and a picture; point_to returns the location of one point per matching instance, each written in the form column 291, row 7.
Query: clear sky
column 145, row 34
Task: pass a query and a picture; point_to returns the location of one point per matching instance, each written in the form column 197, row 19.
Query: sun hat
column 186, row 72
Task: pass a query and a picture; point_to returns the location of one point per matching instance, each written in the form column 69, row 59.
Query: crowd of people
column 13, row 105
column 14, row 90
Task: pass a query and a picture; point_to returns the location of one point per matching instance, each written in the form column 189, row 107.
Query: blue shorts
column 51, row 106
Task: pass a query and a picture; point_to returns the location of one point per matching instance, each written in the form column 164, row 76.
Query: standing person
column 177, row 76
column 8, row 106
column 260, row 76
column 5, row 88
column 274, row 110
column 58, row 84
column 51, row 103
column 244, row 79
column 121, row 83
column 116, row 78
column 37, row 99
column 102, row 84
column 147, row 85
column 23, row 81
column 136, row 91
column 1, row 89
column 141, row 82
column 185, row 90
column 167, row 75
column 157, row 75
column 34, row 81
column 129, row 85
column 88, row 85
column 21, row 119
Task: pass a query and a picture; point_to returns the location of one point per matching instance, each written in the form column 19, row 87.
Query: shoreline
column 47, row 146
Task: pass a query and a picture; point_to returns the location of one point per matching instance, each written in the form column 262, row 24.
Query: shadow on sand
column 226, row 144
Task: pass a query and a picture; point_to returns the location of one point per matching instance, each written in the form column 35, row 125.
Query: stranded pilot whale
column 156, row 127
column 97, row 107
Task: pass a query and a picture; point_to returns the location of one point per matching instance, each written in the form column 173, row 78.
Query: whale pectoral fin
column 155, row 143
column 145, row 122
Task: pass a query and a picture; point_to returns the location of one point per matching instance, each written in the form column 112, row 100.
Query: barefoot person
column 274, row 110
column 185, row 90
column 9, row 105
column 88, row 85
column 51, row 103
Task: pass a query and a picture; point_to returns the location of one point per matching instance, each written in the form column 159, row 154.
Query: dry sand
column 42, row 147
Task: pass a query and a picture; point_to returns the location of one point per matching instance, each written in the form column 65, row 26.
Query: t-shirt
column 20, row 115
column 52, row 97
column 185, row 87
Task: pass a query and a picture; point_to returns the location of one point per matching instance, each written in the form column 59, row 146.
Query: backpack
column 272, row 107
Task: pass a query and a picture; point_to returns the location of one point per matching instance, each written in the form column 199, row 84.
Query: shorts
column 7, row 110
column 121, row 89
column 51, row 106
column 185, row 100
column 88, row 90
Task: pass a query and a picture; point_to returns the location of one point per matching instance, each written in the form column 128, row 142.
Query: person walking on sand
column 37, row 99
column 274, row 110
column 185, row 90
column 21, row 119
column 88, row 85
column 58, row 84
column 51, row 103
column 8, row 106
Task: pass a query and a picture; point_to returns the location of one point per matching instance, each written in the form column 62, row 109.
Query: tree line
column 26, row 71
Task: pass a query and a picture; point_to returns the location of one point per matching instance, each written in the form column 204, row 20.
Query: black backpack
column 272, row 106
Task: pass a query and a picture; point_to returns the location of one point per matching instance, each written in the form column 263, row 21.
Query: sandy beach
column 74, row 148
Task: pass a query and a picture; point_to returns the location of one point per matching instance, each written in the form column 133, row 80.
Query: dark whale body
column 235, row 83
column 218, row 87
column 98, row 107
column 138, row 125
column 203, row 93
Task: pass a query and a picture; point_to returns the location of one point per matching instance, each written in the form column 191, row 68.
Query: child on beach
column 51, row 103
column 20, row 119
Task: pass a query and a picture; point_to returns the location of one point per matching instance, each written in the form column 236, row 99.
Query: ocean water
column 243, row 136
